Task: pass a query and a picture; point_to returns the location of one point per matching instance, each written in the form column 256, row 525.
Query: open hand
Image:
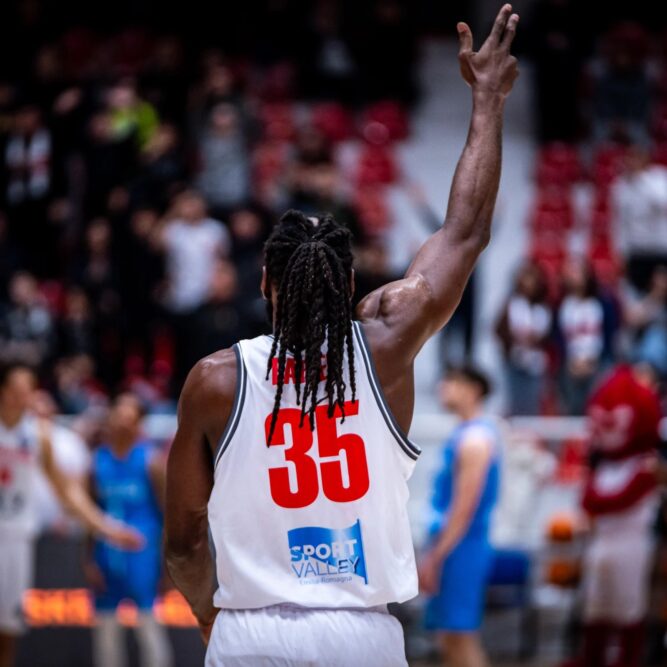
column 430, row 573
column 123, row 536
column 492, row 69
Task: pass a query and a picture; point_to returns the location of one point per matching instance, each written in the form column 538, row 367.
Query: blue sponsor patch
column 327, row 555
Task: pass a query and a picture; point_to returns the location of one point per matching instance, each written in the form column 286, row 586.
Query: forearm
column 193, row 572
column 475, row 186
column 450, row 535
column 76, row 502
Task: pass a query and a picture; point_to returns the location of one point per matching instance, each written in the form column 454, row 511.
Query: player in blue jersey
column 128, row 479
column 456, row 567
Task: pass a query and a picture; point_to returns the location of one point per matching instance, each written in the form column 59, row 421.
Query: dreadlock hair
column 309, row 263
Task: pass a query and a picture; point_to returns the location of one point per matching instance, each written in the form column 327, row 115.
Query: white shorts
column 617, row 569
column 16, row 573
column 290, row 636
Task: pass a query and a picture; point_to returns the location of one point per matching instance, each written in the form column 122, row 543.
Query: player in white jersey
column 25, row 446
column 290, row 448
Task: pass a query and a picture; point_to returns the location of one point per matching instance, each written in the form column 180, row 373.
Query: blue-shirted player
column 128, row 478
column 456, row 567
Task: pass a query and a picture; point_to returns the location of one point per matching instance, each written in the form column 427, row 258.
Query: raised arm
column 419, row 305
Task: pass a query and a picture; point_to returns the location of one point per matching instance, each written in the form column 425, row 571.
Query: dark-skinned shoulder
column 208, row 395
column 396, row 316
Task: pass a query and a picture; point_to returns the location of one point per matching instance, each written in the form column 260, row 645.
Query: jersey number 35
column 332, row 448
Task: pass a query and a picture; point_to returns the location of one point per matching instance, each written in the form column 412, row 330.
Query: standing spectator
column 219, row 322
column 130, row 115
column 456, row 567
column 192, row 243
column 581, row 327
column 622, row 87
column 26, row 326
column 76, row 330
column 639, row 199
column 28, row 161
column 524, row 329
column 224, row 178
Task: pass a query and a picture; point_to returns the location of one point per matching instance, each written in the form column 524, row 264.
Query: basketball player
column 25, row 445
column 292, row 447
column 128, row 480
column 456, row 569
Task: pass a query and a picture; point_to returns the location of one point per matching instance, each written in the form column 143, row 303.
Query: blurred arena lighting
column 74, row 608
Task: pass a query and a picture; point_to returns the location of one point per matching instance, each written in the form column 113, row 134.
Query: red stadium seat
column 558, row 164
column 385, row 119
column 376, row 166
column 277, row 121
column 607, row 164
column 371, row 207
column 333, row 120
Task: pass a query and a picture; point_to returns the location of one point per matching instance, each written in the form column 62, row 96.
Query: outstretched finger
column 510, row 31
column 465, row 37
column 499, row 25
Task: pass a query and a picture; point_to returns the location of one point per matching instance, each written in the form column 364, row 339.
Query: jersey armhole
column 409, row 448
column 239, row 399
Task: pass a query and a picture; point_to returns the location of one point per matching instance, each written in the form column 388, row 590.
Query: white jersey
column 18, row 466
column 319, row 518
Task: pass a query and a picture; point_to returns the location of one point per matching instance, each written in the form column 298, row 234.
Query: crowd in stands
column 141, row 170
column 593, row 290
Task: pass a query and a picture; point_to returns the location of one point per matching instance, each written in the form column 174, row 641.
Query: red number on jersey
column 330, row 445
column 306, row 468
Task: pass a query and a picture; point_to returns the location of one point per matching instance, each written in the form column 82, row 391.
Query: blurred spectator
column 646, row 317
column 161, row 169
column 622, row 88
column 192, row 243
column 29, row 171
column 580, row 322
column 639, row 198
column 26, row 326
column 76, row 389
column 249, row 227
column 130, row 115
column 224, row 178
column 219, row 322
column 76, row 330
column 554, row 37
column 524, row 330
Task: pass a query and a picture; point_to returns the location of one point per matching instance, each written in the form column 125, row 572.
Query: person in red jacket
column 620, row 497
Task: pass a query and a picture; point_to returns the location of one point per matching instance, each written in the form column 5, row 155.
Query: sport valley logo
column 327, row 555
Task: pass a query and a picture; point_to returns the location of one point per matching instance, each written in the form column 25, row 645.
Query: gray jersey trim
column 409, row 447
column 239, row 399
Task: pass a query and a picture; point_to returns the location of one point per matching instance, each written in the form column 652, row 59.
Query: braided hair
column 310, row 263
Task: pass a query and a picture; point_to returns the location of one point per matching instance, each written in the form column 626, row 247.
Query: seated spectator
column 639, row 202
column 580, row 322
column 26, row 326
column 524, row 329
